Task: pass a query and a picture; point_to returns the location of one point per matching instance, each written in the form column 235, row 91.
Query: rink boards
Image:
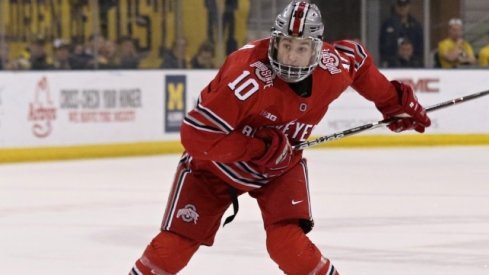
column 64, row 115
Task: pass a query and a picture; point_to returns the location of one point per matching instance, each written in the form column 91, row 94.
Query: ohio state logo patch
column 329, row 62
column 188, row 213
column 264, row 73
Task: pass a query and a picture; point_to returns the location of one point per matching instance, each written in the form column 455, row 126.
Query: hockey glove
column 278, row 151
column 413, row 115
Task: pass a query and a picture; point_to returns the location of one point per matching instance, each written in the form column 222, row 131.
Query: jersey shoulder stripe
column 353, row 50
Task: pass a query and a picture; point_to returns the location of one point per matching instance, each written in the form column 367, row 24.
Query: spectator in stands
column 94, row 54
column 5, row 63
column 454, row 51
column 79, row 58
column 405, row 57
column 108, row 55
column 484, row 56
column 61, row 56
column 4, row 51
column 203, row 59
column 128, row 57
column 38, row 57
column 21, row 62
column 399, row 26
column 176, row 58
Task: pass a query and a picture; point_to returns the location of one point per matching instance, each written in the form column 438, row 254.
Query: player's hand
column 416, row 115
column 278, row 151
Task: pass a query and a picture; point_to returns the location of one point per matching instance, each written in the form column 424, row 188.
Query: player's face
column 294, row 51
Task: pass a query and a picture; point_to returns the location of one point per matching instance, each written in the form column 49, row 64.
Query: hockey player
column 267, row 95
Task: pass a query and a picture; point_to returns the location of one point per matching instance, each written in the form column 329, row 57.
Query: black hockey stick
column 373, row 125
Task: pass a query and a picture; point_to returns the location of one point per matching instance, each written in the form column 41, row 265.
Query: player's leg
column 285, row 207
column 168, row 253
column 294, row 253
column 193, row 213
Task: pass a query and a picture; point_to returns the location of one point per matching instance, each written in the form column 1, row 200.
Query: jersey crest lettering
column 264, row 73
column 329, row 62
column 296, row 130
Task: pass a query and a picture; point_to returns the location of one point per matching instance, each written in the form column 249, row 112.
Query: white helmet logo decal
column 298, row 17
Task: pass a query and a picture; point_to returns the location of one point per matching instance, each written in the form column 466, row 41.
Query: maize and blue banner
column 174, row 110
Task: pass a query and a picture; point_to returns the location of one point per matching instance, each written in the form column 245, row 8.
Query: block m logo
column 175, row 94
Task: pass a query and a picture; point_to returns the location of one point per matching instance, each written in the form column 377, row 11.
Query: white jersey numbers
column 242, row 88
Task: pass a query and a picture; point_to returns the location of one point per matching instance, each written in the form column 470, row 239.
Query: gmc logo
column 422, row 85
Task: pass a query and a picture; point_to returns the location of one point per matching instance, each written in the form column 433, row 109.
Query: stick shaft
column 373, row 125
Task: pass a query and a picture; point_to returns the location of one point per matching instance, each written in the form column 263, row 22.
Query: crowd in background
column 175, row 58
column 100, row 53
column 97, row 53
column 401, row 43
column 400, row 39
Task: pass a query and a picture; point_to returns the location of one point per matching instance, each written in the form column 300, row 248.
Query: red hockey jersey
column 245, row 95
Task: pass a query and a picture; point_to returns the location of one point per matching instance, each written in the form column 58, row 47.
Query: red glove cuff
column 408, row 104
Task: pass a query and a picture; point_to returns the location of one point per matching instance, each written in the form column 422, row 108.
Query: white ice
column 377, row 211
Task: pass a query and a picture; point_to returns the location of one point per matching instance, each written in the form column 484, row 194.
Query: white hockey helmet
column 298, row 21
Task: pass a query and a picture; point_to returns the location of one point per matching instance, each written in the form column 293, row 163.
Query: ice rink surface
column 377, row 211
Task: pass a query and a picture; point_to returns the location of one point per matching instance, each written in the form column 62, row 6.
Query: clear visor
column 293, row 58
column 295, row 52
